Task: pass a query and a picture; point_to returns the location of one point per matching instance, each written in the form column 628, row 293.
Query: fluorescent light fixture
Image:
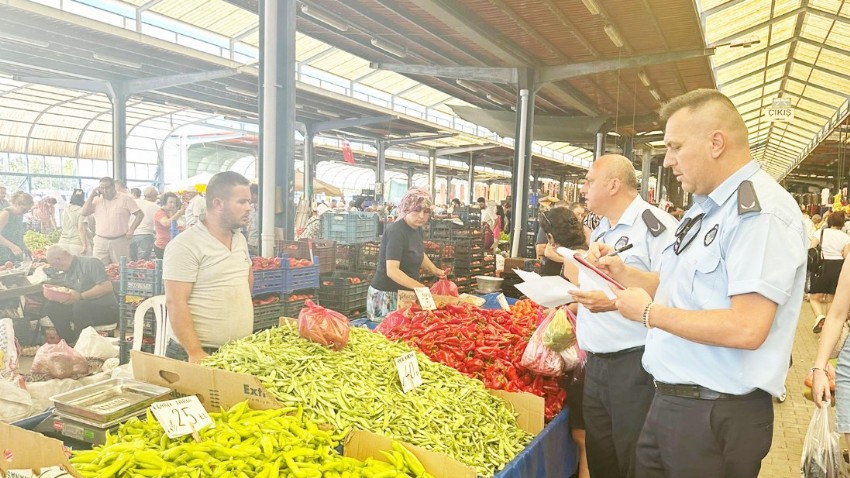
column 496, row 99
column 23, row 40
column 326, row 19
column 468, row 86
column 252, row 94
column 591, row 6
column 643, row 78
column 655, row 94
column 116, row 61
column 614, row 35
column 389, row 48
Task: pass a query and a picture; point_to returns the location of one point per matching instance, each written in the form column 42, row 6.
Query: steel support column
column 659, row 184
column 599, row 150
column 522, row 161
column 410, row 178
column 432, row 173
column 448, row 189
column 380, row 171
column 628, row 146
column 562, row 195
column 471, row 180
column 119, row 135
column 309, row 166
column 646, row 171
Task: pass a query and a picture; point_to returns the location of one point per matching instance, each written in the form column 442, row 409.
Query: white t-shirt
column 195, row 211
column 833, row 243
column 220, row 302
column 150, row 209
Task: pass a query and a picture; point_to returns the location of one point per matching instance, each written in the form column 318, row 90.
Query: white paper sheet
column 590, row 279
column 526, row 275
column 549, row 291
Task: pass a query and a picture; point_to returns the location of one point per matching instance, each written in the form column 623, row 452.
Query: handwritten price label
column 426, row 300
column 408, row 371
column 183, row 416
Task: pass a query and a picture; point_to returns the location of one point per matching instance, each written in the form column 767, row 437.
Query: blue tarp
column 492, row 304
column 552, row 453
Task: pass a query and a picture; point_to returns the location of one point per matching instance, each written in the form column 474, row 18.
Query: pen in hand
column 617, row 251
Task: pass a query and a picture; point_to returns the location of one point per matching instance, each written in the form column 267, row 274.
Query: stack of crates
column 441, row 253
column 266, row 294
column 531, row 239
column 350, row 227
column 345, row 292
column 489, row 265
column 468, row 250
column 470, row 215
column 288, row 286
column 293, row 303
column 134, row 286
column 346, row 257
column 325, row 250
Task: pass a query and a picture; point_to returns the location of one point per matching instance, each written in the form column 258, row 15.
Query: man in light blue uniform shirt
column 617, row 390
column 727, row 300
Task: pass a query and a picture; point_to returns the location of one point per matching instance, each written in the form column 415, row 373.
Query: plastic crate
column 291, row 308
column 140, row 282
column 299, row 278
column 325, row 250
column 267, row 281
column 367, row 256
column 350, row 227
column 296, row 249
column 339, row 294
column 126, row 322
column 266, row 316
column 346, row 257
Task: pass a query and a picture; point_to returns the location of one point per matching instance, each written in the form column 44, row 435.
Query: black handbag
column 815, row 260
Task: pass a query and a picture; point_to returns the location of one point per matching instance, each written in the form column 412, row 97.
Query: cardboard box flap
column 406, row 298
column 529, row 408
column 216, row 389
column 26, row 450
column 361, row 444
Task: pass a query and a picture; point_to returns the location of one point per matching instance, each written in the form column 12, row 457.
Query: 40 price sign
column 182, row 416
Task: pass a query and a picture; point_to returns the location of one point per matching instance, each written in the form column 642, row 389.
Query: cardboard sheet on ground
column 548, row 291
column 591, row 277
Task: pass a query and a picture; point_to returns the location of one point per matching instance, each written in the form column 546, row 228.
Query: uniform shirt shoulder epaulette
column 653, row 224
column 748, row 200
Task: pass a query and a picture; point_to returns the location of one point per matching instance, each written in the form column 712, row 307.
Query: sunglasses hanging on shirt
column 687, row 232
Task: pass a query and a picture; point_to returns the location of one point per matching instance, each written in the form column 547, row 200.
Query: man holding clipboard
column 723, row 308
column 617, row 390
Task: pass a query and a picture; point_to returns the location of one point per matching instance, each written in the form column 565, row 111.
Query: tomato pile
column 266, row 300
column 297, row 297
column 482, row 344
column 113, row 271
column 265, row 263
column 295, row 263
column 141, row 264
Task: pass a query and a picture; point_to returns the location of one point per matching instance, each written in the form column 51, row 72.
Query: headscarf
column 413, row 200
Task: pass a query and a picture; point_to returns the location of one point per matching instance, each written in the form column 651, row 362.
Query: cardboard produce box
column 27, row 454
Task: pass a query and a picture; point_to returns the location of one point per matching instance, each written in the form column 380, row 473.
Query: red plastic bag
column 59, row 361
column 392, row 321
column 444, row 287
column 537, row 357
column 323, row 326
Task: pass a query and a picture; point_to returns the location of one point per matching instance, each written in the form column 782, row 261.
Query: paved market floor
column 792, row 417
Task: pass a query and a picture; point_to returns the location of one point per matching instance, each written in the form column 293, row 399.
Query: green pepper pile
column 359, row 387
column 36, row 240
column 243, row 443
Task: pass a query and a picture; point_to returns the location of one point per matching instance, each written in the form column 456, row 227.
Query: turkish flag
column 347, row 155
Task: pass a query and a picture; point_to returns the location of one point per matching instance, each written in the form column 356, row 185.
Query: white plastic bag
column 93, row 345
column 59, row 361
column 821, row 450
column 15, row 403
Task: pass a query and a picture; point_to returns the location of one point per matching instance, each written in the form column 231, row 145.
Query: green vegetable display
column 359, row 387
column 243, row 443
column 38, row 241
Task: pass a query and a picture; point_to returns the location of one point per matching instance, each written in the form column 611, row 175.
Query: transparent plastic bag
column 91, row 344
column 574, row 357
column 323, row 326
column 59, row 361
column 559, row 335
column 444, row 287
column 392, row 321
column 821, row 449
column 537, row 357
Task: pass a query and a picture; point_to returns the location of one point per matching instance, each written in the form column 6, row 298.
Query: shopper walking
column 207, row 274
column 617, row 390
column 113, row 231
column 835, row 244
column 164, row 217
column 12, row 246
column 44, row 214
column 141, row 246
column 402, row 255
column 727, row 300
column 75, row 228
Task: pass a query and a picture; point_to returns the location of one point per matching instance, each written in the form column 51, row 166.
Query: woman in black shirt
column 402, row 255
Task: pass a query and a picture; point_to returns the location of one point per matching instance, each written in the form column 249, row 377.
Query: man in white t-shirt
column 197, row 207
column 207, row 274
column 142, row 244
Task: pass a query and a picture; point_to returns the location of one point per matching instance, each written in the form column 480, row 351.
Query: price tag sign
column 182, row 416
column 408, row 371
column 426, row 300
column 503, row 303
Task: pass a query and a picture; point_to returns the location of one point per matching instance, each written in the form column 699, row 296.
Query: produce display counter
column 551, row 454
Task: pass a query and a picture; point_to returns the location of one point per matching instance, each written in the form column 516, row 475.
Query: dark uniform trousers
column 689, row 437
column 617, row 395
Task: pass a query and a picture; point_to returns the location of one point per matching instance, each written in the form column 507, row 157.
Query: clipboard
column 600, row 279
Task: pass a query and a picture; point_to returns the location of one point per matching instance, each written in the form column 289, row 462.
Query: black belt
column 700, row 393
column 617, row 353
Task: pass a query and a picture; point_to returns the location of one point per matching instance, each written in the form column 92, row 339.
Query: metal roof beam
column 758, row 26
column 416, row 139
column 842, row 94
column 472, row 73
column 465, row 149
column 753, row 88
column 765, row 51
column 94, row 86
column 348, row 123
column 574, row 70
column 157, row 83
column 142, row 9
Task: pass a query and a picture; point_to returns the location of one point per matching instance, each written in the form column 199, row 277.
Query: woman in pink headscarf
column 402, row 255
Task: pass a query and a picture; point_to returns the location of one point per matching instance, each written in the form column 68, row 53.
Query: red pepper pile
column 482, row 344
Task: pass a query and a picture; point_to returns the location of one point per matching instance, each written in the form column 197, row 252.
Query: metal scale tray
column 109, row 401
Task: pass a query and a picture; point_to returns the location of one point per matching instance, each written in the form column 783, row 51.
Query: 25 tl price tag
column 182, row 416
column 426, row 300
column 408, row 371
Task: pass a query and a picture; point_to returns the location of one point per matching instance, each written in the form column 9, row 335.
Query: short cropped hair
column 694, row 100
column 221, row 185
column 107, row 180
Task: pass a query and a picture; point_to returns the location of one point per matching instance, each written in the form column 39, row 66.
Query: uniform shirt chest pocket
column 707, row 276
